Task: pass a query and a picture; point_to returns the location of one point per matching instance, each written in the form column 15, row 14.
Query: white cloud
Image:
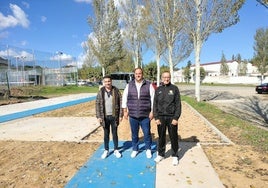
column 83, row 1
column 27, row 5
column 20, row 55
column 43, row 19
column 17, row 18
column 23, row 43
column 61, row 56
column 4, row 34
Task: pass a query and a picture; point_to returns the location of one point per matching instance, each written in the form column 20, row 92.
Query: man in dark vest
column 137, row 105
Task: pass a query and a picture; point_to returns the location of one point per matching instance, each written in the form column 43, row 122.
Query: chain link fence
column 24, row 67
column 21, row 67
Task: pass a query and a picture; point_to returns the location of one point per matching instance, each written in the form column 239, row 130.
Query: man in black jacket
column 167, row 111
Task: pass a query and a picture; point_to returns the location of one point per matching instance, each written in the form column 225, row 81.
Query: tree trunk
column 197, row 47
column 197, row 73
column 158, row 69
column 103, row 71
column 170, row 49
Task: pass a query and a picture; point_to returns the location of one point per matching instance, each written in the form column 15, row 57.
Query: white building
column 213, row 74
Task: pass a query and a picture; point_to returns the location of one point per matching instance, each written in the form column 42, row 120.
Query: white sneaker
column 134, row 154
column 175, row 161
column 105, row 154
column 158, row 158
column 148, row 153
column 117, row 153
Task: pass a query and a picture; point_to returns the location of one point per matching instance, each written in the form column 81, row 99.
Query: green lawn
column 248, row 134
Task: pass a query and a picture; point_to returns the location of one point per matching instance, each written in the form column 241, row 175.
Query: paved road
column 243, row 102
column 235, row 90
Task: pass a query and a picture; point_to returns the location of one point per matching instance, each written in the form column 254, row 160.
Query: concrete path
column 21, row 110
column 194, row 169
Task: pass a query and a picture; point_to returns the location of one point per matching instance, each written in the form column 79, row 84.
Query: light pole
column 17, row 69
column 23, row 74
column 59, row 60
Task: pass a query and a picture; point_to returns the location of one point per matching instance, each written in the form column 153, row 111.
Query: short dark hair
column 138, row 68
column 107, row 76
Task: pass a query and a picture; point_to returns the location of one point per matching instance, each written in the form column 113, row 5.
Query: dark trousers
column 173, row 135
column 110, row 122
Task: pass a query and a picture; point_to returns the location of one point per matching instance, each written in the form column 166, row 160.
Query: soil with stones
column 52, row 164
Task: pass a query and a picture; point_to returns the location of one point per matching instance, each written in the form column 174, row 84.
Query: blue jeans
column 145, row 124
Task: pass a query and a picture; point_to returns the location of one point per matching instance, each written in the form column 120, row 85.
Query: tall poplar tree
column 106, row 41
column 260, row 58
column 224, row 70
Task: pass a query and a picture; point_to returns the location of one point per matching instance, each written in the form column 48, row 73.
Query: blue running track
column 112, row 172
column 31, row 112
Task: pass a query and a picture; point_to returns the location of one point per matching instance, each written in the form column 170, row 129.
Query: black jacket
column 167, row 102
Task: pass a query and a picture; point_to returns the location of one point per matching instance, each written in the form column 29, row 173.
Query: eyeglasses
column 165, row 77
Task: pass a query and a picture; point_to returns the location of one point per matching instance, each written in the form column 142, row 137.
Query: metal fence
column 21, row 67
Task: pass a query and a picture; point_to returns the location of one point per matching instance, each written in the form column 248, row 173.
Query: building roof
column 214, row 63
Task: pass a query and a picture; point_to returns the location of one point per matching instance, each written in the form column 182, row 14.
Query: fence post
column 8, row 86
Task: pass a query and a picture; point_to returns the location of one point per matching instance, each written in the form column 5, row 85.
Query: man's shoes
column 117, row 153
column 105, row 154
column 175, row 161
column 134, row 154
column 148, row 153
column 158, row 158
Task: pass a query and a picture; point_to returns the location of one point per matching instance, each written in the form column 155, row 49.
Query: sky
column 61, row 26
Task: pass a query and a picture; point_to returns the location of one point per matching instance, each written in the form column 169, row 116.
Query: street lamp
column 23, row 74
column 59, row 53
column 17, row 57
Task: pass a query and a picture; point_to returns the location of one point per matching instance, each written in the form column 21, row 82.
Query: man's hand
column 157, row 121
column 100, row 120
column 126, row 115
column 151, row 116
column 174, row 122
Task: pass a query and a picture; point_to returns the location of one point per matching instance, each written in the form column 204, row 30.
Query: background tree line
column 120, row 35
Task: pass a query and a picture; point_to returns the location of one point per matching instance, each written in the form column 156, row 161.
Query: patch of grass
column 48, row 91
column 246, row 133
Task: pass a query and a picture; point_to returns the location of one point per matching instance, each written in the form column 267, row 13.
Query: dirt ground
column 52, row 164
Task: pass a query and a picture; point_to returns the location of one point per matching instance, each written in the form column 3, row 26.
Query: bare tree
column 182, row 48
column 263, row 2
column 172, row 27
column 156, row 39
column 167, row 24
column 133, row 26
column 204, row 17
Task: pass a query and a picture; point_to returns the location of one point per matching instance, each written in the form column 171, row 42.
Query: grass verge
column 49, row 91
column 238, row 130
